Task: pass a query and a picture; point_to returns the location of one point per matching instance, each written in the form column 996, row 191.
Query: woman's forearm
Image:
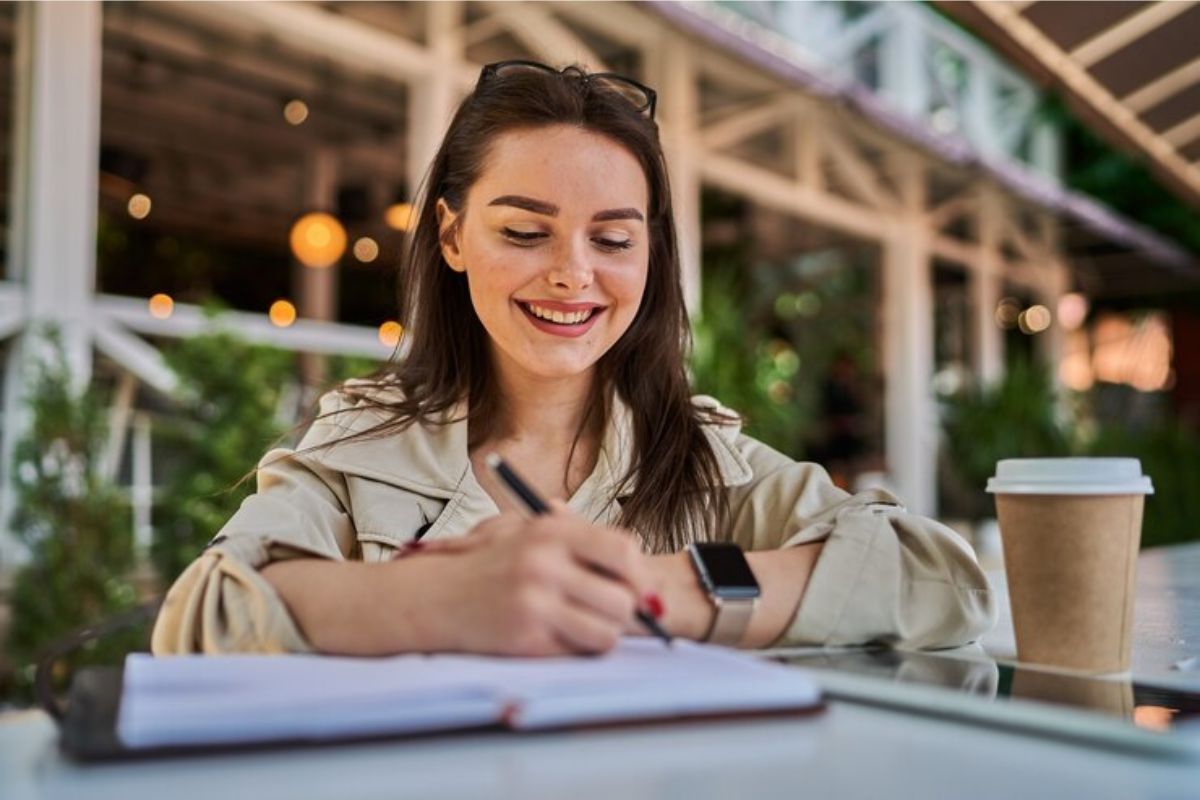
column 353, row 608
column 782, row 575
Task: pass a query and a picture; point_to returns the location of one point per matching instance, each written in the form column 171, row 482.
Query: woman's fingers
column 581, row 630
column 601, row 595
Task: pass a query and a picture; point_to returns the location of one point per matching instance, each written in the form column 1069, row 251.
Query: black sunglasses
column 641, row 96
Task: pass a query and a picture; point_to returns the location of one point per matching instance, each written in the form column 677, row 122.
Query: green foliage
column 227, row 416
column 1014, row 418
column 743, row 371
column 75, row 523
column 1170, row 455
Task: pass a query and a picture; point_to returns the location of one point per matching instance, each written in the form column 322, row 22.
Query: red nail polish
column 654, row 605
column 407, row 549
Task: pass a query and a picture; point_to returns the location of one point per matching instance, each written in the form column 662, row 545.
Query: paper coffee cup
column 1070, row 529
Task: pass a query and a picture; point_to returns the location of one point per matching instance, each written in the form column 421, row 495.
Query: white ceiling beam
column 309, row 27
column 1167, row 86
column 136, row 355
column 746, row 123
column 776, row 191
column 1112, row 39
column 546, row 37
column 308, row 336
column 621, row 22
column 859, row 176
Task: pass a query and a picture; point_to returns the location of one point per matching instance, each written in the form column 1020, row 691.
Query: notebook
column 177, row 702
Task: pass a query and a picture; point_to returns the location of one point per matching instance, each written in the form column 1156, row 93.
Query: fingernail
column 654, row 604
column 407, row 549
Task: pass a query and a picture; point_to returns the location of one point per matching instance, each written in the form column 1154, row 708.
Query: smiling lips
column 561, row 319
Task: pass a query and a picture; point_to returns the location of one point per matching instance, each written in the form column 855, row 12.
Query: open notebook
column 186, row 701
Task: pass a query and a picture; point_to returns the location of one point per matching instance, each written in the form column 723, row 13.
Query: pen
column 536, row 505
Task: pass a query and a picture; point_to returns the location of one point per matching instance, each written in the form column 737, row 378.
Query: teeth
column 574, row 318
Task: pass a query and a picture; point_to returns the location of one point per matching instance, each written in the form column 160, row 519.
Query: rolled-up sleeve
column 883, row 576
column 221, row 603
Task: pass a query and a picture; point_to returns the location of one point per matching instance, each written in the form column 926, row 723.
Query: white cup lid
column 1069, row 476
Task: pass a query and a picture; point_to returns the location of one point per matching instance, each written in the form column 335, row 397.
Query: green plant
column 1170, row 454
column 228, row 414
column 1016, row 417
column 75, row 523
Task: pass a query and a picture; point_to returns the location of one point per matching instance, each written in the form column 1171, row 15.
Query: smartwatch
column 731, row 586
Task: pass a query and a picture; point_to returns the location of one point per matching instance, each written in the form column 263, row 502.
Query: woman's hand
column 551, row 585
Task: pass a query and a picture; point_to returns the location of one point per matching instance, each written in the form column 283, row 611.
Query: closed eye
column 522, row 238
column 614, row 244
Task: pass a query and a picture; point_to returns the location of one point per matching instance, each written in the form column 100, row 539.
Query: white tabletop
column 849, row 751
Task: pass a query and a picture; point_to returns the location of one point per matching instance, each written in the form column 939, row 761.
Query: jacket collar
column 433, row 459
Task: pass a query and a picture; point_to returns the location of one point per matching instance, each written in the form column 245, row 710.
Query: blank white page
column 196, row 700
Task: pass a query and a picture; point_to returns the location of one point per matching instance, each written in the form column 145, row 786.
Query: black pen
column 536, row 505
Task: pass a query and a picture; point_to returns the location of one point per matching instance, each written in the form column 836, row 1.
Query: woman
column 545, row 322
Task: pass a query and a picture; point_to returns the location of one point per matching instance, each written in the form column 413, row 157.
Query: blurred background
column 917, row 237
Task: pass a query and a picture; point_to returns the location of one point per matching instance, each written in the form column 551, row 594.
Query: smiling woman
column 544, row 321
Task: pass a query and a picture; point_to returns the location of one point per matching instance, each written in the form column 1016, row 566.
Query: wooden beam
column 776, row 191
column 745, row 123
column 1128, row 30
column 1185, row 132
column 953, row 209
column 1164, row 87
column 545, row 36
column 857, row 173
column 1080, row 81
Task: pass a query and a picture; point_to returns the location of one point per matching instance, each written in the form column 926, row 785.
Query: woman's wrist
column 688, row 612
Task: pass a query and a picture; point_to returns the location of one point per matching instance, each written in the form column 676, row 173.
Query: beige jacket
column 883, row 575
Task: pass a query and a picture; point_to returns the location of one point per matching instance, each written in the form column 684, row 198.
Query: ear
column 448, row 235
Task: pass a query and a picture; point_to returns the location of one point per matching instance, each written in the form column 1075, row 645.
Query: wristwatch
column 731, row 586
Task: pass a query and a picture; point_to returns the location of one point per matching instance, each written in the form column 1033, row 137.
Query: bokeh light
column 295, row 112
column 318, row 240
column 139, row 206
column 1007, row 311
column 390, row 332
column 1072, row 310
column 366, row 249
column 161, row 306
column 1034, row 319
column 399, row 216
column 282, row 313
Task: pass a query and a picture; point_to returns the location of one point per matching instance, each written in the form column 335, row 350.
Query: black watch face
column 726, row 571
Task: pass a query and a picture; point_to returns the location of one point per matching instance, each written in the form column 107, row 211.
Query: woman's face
column 555, row 247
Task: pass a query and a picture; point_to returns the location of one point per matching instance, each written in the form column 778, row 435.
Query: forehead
column 567, row 166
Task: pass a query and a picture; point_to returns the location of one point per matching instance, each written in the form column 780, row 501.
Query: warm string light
column 139, row 206
column 295, row 112
column 366, row 249
column 390, row 333
column 282, row 313
column 161, row 306
column 399, row 216
column 317, row 240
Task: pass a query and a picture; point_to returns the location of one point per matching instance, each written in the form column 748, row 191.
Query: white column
column 910, row 412
column 433, row 98
column 54, row 174
column 985, row 276
column 673, row 74
column 57, row 260
column 903, row 75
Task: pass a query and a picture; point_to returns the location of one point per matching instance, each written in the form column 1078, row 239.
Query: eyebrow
column 551, row 210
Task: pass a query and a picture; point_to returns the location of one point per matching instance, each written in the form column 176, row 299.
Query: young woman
column 546, row 323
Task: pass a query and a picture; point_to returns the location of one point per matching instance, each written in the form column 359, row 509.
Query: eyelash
column 529, row 239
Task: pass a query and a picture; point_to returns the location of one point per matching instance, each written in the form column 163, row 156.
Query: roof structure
column 1129, row 69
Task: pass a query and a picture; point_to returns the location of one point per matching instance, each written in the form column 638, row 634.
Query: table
column 850, row 751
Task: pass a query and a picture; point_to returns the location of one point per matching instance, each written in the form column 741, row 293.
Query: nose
column 572, row 269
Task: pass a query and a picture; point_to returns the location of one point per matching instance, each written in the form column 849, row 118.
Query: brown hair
column 673, row 492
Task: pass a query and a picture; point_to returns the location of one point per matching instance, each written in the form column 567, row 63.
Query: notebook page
column 195, row 700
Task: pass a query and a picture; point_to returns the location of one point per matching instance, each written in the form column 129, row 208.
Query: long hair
column 672, row 493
